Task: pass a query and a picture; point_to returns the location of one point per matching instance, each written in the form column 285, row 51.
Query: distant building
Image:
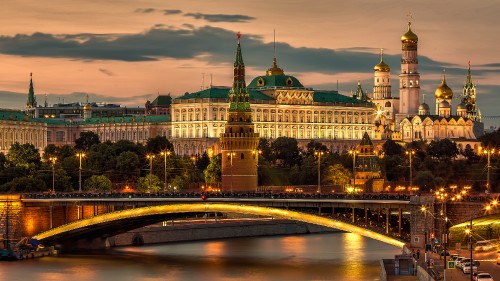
column 367, row 171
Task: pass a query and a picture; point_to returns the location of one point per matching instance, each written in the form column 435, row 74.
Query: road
column 487, row 264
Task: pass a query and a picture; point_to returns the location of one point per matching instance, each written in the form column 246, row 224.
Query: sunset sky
column 122, row 51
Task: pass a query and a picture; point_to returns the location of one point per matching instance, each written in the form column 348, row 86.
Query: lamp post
column 53, row 161
column 150, row 157
column 424, row 209
column 80, row 155
column 165, row 154
column 488, row 152
column 319, row 153
column 353, row 152
column 468, row 231
column 410, row 154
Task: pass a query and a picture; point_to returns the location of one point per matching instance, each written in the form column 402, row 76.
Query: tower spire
column 31, row 94
column 274, row 70
column 238, row 96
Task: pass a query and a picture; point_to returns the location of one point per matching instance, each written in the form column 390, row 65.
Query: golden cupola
column 382, row 66
column 443, row 91
column 409, row 36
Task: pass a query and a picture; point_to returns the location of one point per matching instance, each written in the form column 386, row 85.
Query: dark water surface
column 332, row 256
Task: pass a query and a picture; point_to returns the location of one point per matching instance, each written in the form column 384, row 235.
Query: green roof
column 275, row 81
column 126, row 119
column 223, row 93
column 162, row 101
column 13, row 115
column 334, row 96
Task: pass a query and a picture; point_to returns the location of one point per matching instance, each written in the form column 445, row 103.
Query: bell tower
column 409, row 79
column 239, row 141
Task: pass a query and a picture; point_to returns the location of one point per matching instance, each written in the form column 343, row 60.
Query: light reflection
column 215, row 248
column 294, row 244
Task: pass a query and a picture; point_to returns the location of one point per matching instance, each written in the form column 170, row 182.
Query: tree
column 157, row 144
column 265, row 148
column 314, row 146
column 202, row 162
column 424, row 180
column 128, row 162
column 287, row 150
column 98, row 183
column 391, row 148
column 213, row 172
column 144, row 185
column 337, row 174
column 444, row 149
column 24, row 184
column 24, row 155
column 86, row 141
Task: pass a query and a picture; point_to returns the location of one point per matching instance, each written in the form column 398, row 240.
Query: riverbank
column 210, row 229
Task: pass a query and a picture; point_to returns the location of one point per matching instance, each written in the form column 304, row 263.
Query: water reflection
column 338, row 256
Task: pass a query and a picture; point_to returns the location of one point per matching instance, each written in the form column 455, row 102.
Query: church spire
column 468, row 82
column 274, row 70
column 31, row 94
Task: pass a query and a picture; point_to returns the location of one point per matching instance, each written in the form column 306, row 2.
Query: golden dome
column 443, row 91
column 275, row 70
column 382, row 66
column 409, row 35
column 87, row 107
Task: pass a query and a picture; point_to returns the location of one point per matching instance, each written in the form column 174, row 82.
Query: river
column 329, row 256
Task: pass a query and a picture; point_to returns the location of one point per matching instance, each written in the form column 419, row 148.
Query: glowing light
column 216, row 207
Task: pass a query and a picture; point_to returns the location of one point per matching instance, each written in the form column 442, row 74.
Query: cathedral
column 407, row 119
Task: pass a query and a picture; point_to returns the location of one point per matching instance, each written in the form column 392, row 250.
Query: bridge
column 68, row 217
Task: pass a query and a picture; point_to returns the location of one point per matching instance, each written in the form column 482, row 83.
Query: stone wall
column 190, row 232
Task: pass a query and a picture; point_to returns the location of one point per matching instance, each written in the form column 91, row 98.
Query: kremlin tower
column 239, row 142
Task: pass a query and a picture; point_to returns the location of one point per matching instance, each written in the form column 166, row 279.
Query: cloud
column 171, row 12
column 107, row 72
column 220, row 17
column 145, row 10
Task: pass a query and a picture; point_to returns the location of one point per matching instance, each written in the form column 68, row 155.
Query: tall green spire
column 31, row 94
column 239, row 96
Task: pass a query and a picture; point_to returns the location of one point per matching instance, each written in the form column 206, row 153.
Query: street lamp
column 150, row 157
column 424, row 210
column 468, row 231
column 488, row 152
column 319, row 153
column 353, row 152
column 165, row 154
column 80, row 155
column 53, row 161
column 410, row 153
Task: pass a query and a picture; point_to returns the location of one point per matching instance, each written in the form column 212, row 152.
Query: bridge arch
column 207, row 207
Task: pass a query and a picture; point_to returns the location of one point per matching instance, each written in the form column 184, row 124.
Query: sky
column 126, row 52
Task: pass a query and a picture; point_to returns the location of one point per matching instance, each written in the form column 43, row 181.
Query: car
column 466, row 267
column 453, row 257
column 474, row 274
column 484, row 277
column 458, row 262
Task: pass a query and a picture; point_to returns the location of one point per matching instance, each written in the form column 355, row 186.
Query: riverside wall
column 213, row 230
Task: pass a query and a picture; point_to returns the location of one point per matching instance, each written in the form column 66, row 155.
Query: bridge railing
column 250, row 195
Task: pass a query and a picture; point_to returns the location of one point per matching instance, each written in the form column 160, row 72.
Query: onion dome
column 87, row 107
column 444, row 104
column 409, row 36
column 423, row 107
column 461, row 106
column 382, row 66
column 443, row 91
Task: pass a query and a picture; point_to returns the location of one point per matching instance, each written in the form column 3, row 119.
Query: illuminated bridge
column 70, row 217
